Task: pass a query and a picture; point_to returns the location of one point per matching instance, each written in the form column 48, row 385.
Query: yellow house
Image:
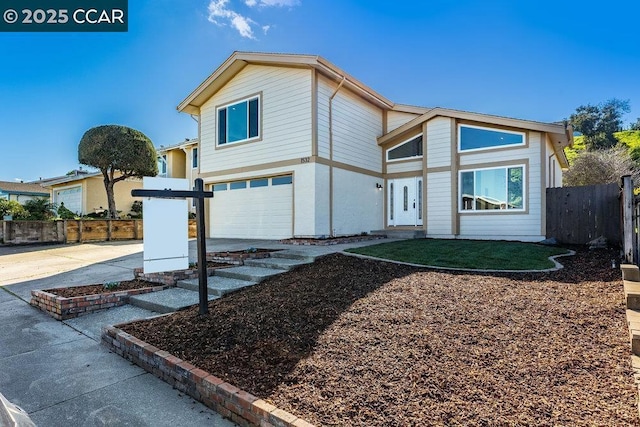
column 85, row 194
column 179, row 161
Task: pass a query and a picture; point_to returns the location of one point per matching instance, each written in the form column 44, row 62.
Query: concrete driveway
column 62, row 377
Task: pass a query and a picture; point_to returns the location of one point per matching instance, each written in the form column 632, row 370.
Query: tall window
column 162, row 165
column 194, row 158
column 492, row 189
column 239, row 122
column 479, row 138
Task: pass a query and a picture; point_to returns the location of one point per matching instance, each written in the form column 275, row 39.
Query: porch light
column 378, row 186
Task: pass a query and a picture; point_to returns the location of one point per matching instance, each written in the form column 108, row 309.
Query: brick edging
column 62, row 308
column 229, row 401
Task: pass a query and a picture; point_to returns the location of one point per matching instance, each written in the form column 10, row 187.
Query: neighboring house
column 179, row 161
column 293, row 146
column 85, row 193
column 21, row 191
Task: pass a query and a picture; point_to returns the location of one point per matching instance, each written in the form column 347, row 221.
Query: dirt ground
column 353, row 342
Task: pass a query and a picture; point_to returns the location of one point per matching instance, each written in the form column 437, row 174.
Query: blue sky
column 535, row 60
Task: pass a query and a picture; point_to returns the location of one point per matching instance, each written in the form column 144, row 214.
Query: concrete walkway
column 58, row 371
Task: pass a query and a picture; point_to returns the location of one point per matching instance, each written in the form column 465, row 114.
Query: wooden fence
column 577, row 215
column 74, row 231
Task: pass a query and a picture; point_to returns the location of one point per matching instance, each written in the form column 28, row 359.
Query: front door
column 404, row 202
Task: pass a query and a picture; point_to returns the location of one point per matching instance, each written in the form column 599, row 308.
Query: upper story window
column 406, row 150
column 194, row 158
column 472, row 138
column 239, row 122
column 162, row 165
column 492, row 189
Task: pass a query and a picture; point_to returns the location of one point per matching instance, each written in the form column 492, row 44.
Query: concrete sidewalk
column 58, row 371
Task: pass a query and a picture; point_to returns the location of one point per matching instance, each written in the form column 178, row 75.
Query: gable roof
column 180, row 145
column 238, row 60
column 8, row 187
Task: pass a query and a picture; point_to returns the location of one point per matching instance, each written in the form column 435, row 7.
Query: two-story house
column 291, row 145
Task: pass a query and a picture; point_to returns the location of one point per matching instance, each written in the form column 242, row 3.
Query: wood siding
column 399, row 167
column 439, row 142
column 285, row 118
column 395, row 119
column 439, row 204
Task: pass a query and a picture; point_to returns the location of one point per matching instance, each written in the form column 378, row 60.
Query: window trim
column 494, row 147
column 506, row 167
column 194, row 158
column 404, row 159
column 246, row 99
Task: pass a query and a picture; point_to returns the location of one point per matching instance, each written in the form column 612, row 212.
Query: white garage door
column 71, row 197
column 253, row 209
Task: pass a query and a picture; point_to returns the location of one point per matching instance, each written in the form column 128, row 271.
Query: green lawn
column 474, row 254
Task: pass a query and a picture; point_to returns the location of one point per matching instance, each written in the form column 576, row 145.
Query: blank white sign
column 165, row 227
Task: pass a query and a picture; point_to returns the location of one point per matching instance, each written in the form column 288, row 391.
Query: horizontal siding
column 356, row 127
column 395, row 119
column 496, row 226
column 439, row 203
column 439, row 142
column 404, row 166
column 325, row 90
column 286, row 118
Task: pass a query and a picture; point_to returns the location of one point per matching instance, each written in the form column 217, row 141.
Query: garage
column 71, row 197
column 260, row 208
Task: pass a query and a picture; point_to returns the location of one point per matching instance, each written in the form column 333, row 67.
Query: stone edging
column 229, row 401
column 62, row 308
column 170, row 278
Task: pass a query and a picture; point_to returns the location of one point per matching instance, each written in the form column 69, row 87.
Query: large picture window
column 479, row 138
column 492, row 189
column 239, row 122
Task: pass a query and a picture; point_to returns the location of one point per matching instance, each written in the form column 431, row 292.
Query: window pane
column 409, row 149
column 474, row 138
column 238, row 185
column 237, row 122
column 419, row 199
column 253, row 118
column 491, row 189
column 405, row 192
column 258, row 183
column 222, row 126
column 220, row 187
column 194, row 158
column 391, row 201
column 467, row 190
column 515, row 195
column 282, row 180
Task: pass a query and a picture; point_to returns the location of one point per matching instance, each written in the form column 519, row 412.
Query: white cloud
column 221, row 13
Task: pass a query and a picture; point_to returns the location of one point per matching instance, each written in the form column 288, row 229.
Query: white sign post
column 165, row 227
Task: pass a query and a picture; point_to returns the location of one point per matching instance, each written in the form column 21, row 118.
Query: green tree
column 39, row 208
column 636, row 125
column 601, row 167
column 119, row 152
column 13, row 208
column 598, row 123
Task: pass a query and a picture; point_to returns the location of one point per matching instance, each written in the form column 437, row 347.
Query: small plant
column 251, row 250
column 192, row 265
column 111, row 285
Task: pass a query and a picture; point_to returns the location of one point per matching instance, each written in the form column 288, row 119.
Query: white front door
column 404, row 202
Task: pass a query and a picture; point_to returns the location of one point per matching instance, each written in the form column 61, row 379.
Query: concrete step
column 276, row 263
column 217, row 285
column 292, row 254
column 247, row 273
column 167, row 301
column 632, row 294
column 400, row 233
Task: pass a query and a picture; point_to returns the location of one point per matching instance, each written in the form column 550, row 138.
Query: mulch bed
column 348, row 341
column 79, row 291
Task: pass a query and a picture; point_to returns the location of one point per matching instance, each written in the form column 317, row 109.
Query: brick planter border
column 62, row 308
column 229, row 401
column 171, row 278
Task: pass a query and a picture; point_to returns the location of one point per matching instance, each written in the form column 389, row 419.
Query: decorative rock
column 599, row 243
column 551, row 241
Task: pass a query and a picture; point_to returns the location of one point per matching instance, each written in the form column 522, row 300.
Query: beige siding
column 395, row 119
column 325, row 90
column 439, row 142
column 285, row 118
column 356, row 127
column 439, row 206
column 554, row 171
column 398, row 167
column 95, row 195
column 507, row 227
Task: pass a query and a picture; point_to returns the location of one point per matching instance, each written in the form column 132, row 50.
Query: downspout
column 331, row 230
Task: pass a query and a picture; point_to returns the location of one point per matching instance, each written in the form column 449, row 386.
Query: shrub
column 13, row 208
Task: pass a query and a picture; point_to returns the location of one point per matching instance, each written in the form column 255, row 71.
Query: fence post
column 627, row 218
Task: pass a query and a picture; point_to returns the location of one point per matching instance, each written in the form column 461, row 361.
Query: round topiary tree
column 119, row 152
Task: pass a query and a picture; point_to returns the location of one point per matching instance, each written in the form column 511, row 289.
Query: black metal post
column 202, row 249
